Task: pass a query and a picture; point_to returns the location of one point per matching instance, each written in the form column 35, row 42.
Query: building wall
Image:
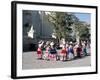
column 42, row 27
column 47, row 27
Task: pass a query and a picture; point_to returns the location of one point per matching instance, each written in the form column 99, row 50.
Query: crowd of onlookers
column 66, row 51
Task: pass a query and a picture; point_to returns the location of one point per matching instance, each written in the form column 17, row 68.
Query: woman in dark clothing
column 53, row 53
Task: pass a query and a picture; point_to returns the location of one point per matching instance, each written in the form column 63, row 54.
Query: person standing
column 75, row 50
column 70, row 52
column 47, row 52
column 39, row 50
column 79, row 51
column 63, row 53
column 84, row 48
column 53, row 53
column 88, row 49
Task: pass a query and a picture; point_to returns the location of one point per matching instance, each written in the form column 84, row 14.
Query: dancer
column 47, row 53
column 63, row 53
column 53, row 52
column 70, row 52
column 79, row 51
column 75, row 50
column 88, row 49
column 39, row 50
column 84, row 48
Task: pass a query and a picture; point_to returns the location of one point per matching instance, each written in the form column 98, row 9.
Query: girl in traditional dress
column 53, row 52
column 47, row 53
column 75, row 50
column 63, row 53
column 70, row 52
column 39, row 50
column 79, row 51
column 88, row 49
column 84, row 48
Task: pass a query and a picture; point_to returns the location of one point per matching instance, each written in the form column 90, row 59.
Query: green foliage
column 62, row 24
column 83, row 29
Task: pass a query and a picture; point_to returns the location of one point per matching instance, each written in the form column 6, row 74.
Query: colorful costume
column 53, row 53
column 79, row 51
column 63, row 52
column 46, row 54
column 75, row 50
column 39, row 53
column 70, row 53
column 88, row 51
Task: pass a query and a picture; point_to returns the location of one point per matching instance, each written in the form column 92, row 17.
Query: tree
column 62, row 22
column 65, row 23
column 83, row 30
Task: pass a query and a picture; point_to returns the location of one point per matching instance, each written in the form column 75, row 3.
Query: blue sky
column 84, row 17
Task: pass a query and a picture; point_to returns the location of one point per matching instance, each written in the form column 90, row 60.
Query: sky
column 84, row 17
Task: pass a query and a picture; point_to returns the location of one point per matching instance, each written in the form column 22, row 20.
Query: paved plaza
column 30, row 61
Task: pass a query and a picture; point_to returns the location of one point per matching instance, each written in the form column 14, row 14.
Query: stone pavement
column 30, row 61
